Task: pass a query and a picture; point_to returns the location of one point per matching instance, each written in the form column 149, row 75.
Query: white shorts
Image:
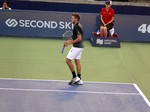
column 75, row 53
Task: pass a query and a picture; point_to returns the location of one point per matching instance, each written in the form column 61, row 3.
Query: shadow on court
column 18, row 95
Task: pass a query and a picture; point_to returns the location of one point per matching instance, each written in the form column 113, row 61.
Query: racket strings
column 66, row 36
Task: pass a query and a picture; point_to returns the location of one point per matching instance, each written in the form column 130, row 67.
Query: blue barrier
column 133, row 27
column 53, row 24
column 42, row 24
column 105, row 42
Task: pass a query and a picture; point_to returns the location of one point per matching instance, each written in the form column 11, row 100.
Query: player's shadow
column 69, row 93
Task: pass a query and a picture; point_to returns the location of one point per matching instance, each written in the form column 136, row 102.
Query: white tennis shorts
column 75, row 53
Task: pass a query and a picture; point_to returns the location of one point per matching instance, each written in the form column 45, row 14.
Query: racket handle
column 62, row 51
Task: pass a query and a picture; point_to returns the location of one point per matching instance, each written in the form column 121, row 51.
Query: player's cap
column 108, row 2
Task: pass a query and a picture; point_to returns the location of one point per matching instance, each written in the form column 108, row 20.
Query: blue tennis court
column 18, row 95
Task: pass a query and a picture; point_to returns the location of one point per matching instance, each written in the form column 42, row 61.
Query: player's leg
column 78, row 65
column 71, row 55
column 71, row 67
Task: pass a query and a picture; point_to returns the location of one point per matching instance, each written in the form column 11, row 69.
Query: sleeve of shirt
column 101, row 12
column 113, row 13
column 78, row 30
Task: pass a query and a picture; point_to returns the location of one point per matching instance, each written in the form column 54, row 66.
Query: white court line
column 141, row 93
column 42, row 80
column 68, row 91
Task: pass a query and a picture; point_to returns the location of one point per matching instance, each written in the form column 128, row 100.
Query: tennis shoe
column 74, row 80
column 79, row 82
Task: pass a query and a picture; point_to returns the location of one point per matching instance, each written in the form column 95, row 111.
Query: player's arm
column 78, row 39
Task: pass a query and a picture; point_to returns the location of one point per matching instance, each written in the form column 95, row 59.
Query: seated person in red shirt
column 107, row 19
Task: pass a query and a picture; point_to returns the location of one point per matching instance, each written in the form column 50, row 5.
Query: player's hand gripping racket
column 66, row 36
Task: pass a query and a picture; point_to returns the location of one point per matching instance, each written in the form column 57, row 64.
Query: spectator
column 107, row 19
column 5, row 6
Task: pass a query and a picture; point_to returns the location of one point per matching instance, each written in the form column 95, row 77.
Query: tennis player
column 76, row 50
column 107, row 19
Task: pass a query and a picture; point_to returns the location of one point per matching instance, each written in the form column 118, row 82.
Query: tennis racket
column 66, row 36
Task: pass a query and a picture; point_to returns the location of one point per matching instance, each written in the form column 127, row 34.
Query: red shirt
column 107, row 15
